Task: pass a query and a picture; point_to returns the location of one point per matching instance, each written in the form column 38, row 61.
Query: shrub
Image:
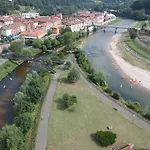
column 108, row 90
column 73, row 76
column 69, row 100
column 61, row 55
column 147, row 116
column 132, row 33
column 116, row 95
column 98, row 78
column 68, row 65
column 106, row 138
column 24, row 121
column 5, row 50
column 11, row 138
column 135, row 106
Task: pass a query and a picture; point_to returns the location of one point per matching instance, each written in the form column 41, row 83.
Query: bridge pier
column 116, row 30
column 104, row 30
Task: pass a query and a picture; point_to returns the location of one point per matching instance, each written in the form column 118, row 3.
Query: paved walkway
column 41, row 140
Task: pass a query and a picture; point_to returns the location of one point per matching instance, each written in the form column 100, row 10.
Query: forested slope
column 46, row 7
column 142, row 4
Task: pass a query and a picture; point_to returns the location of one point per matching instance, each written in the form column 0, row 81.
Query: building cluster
column 32, row 25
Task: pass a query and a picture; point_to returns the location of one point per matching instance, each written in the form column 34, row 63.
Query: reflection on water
column 98, row 43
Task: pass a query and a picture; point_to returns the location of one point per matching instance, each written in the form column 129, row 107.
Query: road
column 41, row 139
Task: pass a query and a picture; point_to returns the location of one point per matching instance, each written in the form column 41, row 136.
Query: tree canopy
column 106, row 138
column 11, row 138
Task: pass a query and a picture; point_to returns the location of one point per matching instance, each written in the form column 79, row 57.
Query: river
column 99, row 43
column 11, row 87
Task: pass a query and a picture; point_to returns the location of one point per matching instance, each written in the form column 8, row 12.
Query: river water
column 98, row 44
column 8, row 88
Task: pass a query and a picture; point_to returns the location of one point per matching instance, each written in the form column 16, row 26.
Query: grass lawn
column 72, row 130
column 134, row 47
column 115, row 21
column 140, row 23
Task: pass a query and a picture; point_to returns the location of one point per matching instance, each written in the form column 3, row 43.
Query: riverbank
column 141, row 76
column 5, row 68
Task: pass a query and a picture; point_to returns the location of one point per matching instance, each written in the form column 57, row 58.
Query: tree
column 133, row 34
column 29, row 42
column 73, row 76
column 49, row 62
column 147, row 116
column 5, row 50
column 54, row 42
column 23, row 107
column 16, row 47
column 24, row 121
column 69, row 100
column 37, row 43
column 11, row 138
column 54, row 58
column 44, row 48
column 61, row 55
column 47, row 43
column 68, row 65
column 97, row 78
column 33, row 92
column 67, row 29
column 106, row 138
column 69, row 37
column 116, row 95
column 108, row 90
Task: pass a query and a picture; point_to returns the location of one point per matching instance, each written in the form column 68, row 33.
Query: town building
column 12, row 30
column 33, row 34
column 30, row 15
column 6, row 20
column 74, row 23
column 56, row 29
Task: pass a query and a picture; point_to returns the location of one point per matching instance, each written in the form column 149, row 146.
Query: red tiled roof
column 34, row 33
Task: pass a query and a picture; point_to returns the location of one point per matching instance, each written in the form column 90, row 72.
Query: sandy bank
column 133, row 72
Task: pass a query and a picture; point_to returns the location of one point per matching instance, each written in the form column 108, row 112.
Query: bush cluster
column 96, row 77
column 69, row 100
column 106, row 138
column 73, row 76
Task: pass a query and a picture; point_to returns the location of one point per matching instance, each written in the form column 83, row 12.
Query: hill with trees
column 142, row 4
column 46, row 7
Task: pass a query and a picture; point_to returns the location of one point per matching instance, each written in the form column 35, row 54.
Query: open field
column 72, row 130
column 115, row 21
column 140, row 23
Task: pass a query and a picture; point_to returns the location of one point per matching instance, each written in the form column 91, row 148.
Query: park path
column 41, row 139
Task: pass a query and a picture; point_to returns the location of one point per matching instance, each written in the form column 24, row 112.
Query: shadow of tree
column 93, row 138
column 71, row 109
column 64, row 80
column 60, row 104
